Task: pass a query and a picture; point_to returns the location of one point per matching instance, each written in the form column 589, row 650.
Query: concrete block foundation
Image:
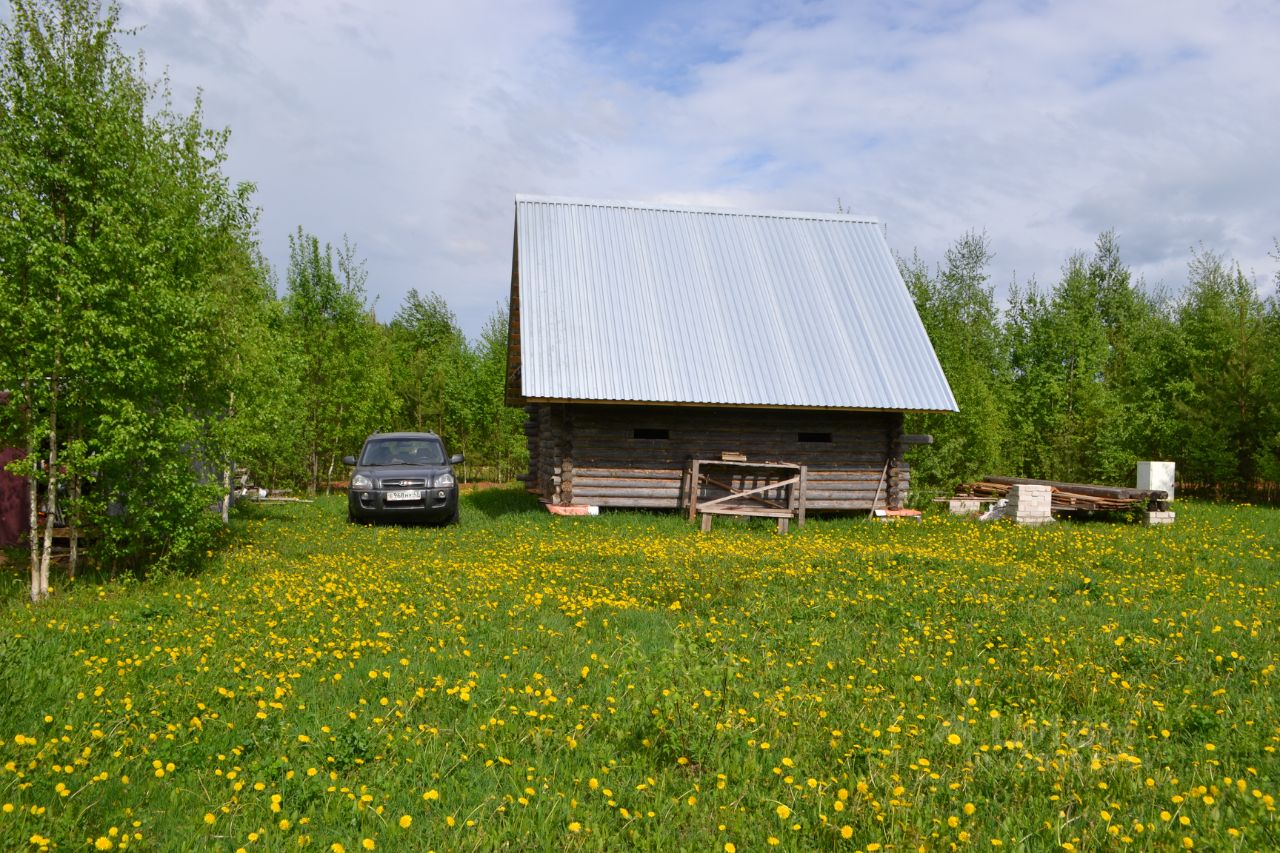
column 1030, row 504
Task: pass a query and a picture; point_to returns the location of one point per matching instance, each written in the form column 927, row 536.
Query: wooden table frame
column 756, row 504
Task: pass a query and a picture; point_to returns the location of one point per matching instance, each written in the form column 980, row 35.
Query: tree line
column 1080, row 380
column 146, row 356
column 329, row 373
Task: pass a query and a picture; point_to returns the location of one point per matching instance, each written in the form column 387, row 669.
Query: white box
column 1154, row 476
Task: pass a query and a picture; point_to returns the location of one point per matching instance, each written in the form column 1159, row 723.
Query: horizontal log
column 1114, row 492
column 629, row 502
column 732, row 434
column 627, row 456
column 584, row 470
column 721, row 416
column 753, row 447
column 834, row 470
column 812, row 497
column 720, row 431
column 747, row 510
column 624, row 483
column 623, row 457
column 589, row 492
column 632, row 502
column 730, row 420
column 815, row 487
column 832, row 480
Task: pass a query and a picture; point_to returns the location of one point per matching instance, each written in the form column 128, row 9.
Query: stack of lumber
column 1072, row 497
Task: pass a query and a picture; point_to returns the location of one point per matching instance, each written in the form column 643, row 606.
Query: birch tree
column 346, row 381
column 111, row 203
column 958, row 308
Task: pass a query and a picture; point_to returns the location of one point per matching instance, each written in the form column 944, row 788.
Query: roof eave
column 709, row 405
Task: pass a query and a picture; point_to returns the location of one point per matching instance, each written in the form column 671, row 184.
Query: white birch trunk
column 51, row 498
column 226, row 494
column 227, row 471
column 33, row 526
column 73, row 523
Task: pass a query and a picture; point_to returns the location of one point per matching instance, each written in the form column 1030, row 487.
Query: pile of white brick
column 964, row 506
column 1030, row 504
column 1158, row 518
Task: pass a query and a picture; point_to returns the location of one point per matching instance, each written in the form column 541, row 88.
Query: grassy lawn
column 527, row 681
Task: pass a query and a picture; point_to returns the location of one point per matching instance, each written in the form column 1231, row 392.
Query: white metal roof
column 670, row 304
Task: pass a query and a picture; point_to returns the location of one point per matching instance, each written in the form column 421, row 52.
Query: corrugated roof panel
column 669, row 304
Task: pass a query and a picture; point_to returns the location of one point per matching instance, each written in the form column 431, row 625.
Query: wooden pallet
column 1072, row 497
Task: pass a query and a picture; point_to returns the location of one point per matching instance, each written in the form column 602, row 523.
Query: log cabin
column 645, row 336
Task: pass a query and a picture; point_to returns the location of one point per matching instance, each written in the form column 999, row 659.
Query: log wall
column 588, row 453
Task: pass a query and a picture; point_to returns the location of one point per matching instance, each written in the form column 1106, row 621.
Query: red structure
column 13, row 500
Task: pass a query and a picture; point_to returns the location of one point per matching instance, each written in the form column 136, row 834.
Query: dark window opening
column 815, row 437
column 659, row 434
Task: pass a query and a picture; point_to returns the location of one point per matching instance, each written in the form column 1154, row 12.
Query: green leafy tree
column 959, row 311
column 346, row 384
column 256, row 372
column 448, row 385
column 114, row 206
column 1224, row 398
column 436, row 376
column 502, row 440
column 1072, row 352
column 1269, row 456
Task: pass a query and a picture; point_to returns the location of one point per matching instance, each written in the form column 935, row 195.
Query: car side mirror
column 348, row 460
column 455, row 459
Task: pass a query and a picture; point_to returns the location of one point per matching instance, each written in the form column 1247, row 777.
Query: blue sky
column 410, row 127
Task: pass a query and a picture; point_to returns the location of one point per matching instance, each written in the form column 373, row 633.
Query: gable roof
column 622, row 302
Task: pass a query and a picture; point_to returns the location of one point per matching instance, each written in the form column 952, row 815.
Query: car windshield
column 403, row 451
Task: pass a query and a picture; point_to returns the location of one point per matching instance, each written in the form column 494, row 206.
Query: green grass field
column 526, row 681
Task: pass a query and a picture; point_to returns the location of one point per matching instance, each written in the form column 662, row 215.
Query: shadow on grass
column 497, row 502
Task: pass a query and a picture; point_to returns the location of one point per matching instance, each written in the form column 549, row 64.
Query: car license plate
column 405, row 495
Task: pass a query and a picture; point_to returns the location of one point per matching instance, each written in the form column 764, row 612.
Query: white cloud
column 411, row 127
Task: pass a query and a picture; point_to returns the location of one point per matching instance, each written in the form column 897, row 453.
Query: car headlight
column 361, row 481
column 444, row 480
